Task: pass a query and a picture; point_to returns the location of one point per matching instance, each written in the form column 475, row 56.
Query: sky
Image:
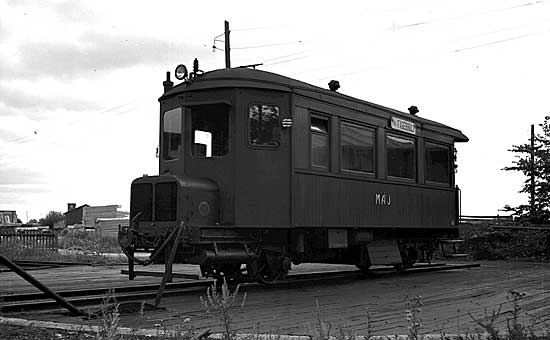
column 79, row 81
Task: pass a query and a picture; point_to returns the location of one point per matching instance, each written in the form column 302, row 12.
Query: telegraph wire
column 288, row 55
column 501, row 41
column 268, row 45
column 289, row 60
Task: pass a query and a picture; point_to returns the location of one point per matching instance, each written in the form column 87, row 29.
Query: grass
column 76, row 246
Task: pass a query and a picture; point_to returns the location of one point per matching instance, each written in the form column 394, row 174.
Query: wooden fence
column 10, row 239
column 486, row 219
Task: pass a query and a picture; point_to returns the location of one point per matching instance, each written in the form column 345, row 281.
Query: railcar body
column 260, row 171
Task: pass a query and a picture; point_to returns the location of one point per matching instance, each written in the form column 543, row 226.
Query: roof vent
column 334, row 85
column 413, row 110
column 168, row 84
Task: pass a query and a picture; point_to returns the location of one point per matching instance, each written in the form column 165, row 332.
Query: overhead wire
column 421, row 23
column 26, row 139
column 267, row 45
column 502, row 41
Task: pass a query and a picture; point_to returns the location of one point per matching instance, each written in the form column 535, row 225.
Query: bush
column 483, row 242
column 89, row 242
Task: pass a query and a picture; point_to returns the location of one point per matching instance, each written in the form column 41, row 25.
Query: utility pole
column 532, row 170
column 227, row 48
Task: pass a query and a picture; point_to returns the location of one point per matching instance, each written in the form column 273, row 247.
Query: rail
column 10, row 239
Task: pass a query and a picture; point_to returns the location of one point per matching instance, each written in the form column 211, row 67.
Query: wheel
column 364, row 260
column 229, row 271
column 268, row 267
column 409, row 256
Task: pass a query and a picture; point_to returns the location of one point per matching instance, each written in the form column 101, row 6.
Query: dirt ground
column 8, row 332
column 451, row 301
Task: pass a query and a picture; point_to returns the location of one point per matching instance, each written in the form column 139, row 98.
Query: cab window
column 437, row 163
column 401, row 156
column 264, row 127
column 209, row 131
column 171, row 134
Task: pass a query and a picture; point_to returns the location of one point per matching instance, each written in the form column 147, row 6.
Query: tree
column 538, row 209
column 52, row 218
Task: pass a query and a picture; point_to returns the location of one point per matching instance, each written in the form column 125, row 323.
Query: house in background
column 104, row 219
column 8, row 218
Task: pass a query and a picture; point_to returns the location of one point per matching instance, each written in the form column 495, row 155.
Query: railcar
column 258, row 171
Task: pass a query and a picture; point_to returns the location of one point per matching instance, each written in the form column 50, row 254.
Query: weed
column 413, row 312
column 322, row 329
column 108, row 329
column 368, row 320
column 220, row 304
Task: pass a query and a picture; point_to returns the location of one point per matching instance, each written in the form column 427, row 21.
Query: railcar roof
column 251, row 78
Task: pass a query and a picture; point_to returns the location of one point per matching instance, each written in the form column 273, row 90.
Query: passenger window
column 264, row 127
column 437, row 163
column 319, row 142
column 401, row 156
column 210, row 131
column 171, row 134
column 357, row 148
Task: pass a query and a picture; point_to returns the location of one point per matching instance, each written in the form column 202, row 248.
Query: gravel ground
column 8, row 332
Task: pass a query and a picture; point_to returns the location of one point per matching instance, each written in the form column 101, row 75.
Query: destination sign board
column 403, row 125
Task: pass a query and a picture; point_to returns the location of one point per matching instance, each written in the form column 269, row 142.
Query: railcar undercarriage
column 263, row 255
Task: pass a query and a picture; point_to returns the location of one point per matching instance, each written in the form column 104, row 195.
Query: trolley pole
column 532, row 205
column 227, row 45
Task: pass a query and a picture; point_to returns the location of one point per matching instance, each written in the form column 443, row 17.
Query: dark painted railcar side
column 272, row 188
column 336, row 198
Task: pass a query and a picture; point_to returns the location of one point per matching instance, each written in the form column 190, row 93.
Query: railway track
column 33, row 265
column 15, row 303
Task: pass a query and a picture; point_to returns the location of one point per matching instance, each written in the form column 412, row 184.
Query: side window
column 401, row 156
column 437, row 163
column 319, row 142
column 209, row 131
column 171, row 134
column 357, row 148
column 264, row 127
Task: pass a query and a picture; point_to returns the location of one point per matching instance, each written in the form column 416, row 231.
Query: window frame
column 374, row 148
column 449, row 164
column 327, row 119
column 247, row 136
column 191, row 131
column 162, row 154
column 414, row 179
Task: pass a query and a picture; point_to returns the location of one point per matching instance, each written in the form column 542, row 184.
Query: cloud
column 73, row 11
column 93, row 52
column 3, row 31
column 15, row 100
column 13, row 175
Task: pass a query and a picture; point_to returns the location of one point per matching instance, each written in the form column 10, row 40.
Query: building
column 104, row 219
column 109, row 226
column 8, row 218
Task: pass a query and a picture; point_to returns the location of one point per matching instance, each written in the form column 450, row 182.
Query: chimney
column 71, row 206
